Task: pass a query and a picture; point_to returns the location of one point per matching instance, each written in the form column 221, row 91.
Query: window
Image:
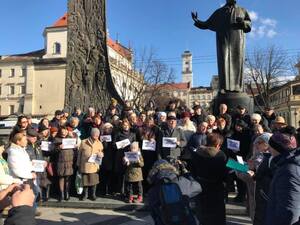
column 12, row 72
column 57, row 48
column 21, row 108
column 24, row 72
column 11, row 90
column 23, row 89
column 11, row 109
column 0, row 73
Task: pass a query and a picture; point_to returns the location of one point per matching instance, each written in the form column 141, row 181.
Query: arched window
column 57, row 48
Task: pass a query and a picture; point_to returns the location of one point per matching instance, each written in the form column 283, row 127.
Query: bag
column 78, row 183
column 49, row 169
column 175, row 208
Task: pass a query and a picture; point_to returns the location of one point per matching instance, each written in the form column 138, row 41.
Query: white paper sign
column 132, row 156
column 233, row 145
column 122, row 144
column 149, row 145
column 105, row 138
column 38, row 165
column 169, row 142
column 240, row 159
column 45, row 146
column 95, row 159
column 69, row 143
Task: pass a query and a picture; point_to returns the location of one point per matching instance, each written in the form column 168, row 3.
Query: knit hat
column 185, row 114
column 265, row 137
column 282, row 142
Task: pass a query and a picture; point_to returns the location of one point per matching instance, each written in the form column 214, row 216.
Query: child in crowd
column 134, row 175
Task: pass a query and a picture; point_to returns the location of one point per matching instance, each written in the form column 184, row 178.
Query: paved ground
column 60, row 216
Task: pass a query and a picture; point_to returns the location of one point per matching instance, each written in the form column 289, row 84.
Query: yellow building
column 34, row 83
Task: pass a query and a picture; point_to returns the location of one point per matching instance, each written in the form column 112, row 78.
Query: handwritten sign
column 69, row 143
column 45, row 146
column 233, row 145
column 122, row 144
column 149, row 145
column 38, row 165
column 132, row 156
column 95, row 159
column 169, row 142
column 105, row 138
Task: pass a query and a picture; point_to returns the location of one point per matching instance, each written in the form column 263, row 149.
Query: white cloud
column 271, row 33
column 262, row 27
column 253, row 15
column 268, row 22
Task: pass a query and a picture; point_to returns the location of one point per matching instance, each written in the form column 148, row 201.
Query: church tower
column 187, row 68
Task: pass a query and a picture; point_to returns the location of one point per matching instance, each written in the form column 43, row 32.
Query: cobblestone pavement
column 60, row 216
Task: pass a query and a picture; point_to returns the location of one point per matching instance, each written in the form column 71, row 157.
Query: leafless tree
column 264, row 67
column 144, row 81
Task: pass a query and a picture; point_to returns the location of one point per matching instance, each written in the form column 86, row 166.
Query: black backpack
column 174, row 207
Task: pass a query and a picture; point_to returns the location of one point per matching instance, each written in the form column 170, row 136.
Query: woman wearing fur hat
column 283, row 204
column 89, row 170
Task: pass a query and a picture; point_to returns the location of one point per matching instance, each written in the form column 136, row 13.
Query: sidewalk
column 62, row 216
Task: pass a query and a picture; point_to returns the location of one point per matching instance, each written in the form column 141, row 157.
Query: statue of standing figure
column 230, row 23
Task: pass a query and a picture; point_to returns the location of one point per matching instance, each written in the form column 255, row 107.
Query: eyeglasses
column 24, row 121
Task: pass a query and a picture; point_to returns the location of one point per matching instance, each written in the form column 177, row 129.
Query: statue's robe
column 230, row 44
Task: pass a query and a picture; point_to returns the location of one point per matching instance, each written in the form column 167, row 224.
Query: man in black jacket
column 22, row 198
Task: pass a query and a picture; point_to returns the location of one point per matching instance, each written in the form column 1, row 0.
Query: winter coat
column 196, row 140
column 65, row 159
column 109, row 155
column 134, row 171
column 175, row 153
column 208, row 166
column 21, row 215
column 87, row 148
column 19, row 162
column 263, row 178
column 283, row 206
column 119, row 136
column 5, row 177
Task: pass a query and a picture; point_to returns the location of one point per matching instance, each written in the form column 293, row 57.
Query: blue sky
column 164, row 25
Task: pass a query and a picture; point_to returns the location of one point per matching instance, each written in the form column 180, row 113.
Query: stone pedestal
column 232, row 100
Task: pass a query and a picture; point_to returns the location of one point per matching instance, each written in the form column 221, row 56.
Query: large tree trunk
column 88, row 78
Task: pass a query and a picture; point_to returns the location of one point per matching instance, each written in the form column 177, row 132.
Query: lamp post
column 295, row 114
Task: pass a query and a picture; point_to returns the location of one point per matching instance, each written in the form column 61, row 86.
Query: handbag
column 78, row 183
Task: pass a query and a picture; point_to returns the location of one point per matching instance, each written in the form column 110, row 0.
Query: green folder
column 232, row 164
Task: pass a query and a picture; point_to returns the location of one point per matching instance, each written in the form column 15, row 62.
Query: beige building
column 34, row 83
column 202, row 95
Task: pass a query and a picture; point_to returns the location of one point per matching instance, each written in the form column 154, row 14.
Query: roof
column 23, row 57
column 123, row 51
column 175, row 86
column 61, row 22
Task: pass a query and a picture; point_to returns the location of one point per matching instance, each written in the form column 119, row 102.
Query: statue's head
column 231, row 2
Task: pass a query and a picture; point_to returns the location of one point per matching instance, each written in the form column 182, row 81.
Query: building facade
column 34, row 83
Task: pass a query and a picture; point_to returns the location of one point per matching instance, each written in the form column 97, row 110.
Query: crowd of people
column 122, row 152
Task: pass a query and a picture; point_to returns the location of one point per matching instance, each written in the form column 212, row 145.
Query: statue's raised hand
column 195, row 16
